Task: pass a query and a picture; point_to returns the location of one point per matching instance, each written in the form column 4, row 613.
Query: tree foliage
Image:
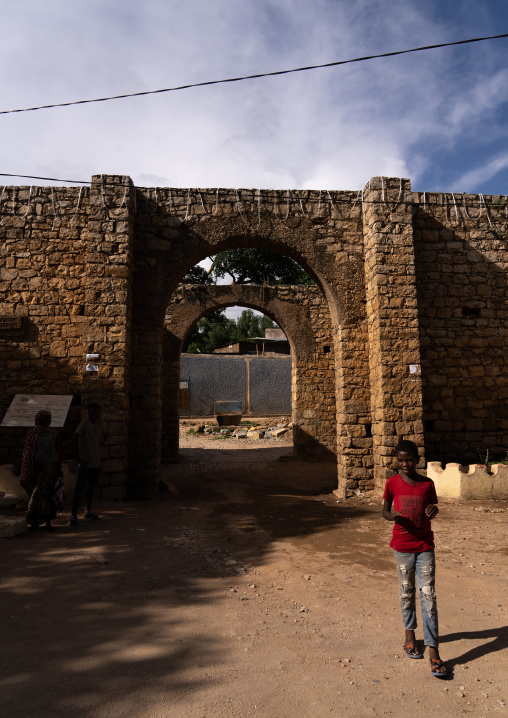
column 212, row 331
column 198, row 275
column 252, row 325
column 258, row 266
column 217, row 329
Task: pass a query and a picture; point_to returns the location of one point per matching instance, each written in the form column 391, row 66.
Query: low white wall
column 9, row 482
column 469, row 482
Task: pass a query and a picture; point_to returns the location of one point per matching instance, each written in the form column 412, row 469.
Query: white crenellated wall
column 469, row 482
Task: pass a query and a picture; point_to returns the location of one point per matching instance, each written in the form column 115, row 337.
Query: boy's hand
column 396, row 516
column 431, row 511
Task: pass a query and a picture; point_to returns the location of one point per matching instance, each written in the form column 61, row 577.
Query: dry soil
column 253, row 591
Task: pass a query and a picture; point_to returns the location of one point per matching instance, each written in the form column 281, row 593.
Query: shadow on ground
column 110, row 612
column 253, row 504
column 499, row 642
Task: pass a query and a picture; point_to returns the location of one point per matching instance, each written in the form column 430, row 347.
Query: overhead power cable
column 254, row 77
column 47, row 179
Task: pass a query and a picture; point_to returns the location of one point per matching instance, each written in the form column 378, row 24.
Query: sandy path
column 270, row 600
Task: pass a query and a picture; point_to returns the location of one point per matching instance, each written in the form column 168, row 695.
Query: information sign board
column 24, row 407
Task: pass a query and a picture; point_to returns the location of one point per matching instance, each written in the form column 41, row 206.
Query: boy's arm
column 75, row 449
column 432, row 511
column 387, row 512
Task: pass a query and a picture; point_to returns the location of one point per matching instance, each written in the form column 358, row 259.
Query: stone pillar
column 392, row 314
column 107, row 330
column 146, row 410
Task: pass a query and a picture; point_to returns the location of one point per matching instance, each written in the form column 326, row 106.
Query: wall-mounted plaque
column 24, row 407
column 10, row 322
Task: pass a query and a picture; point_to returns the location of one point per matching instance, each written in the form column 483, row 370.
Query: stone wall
column 461, row 269
column 43, row 280
column 414, row 287
column 65, row 268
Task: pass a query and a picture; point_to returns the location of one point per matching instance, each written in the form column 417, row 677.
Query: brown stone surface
column 461, row 271
column 410, row 299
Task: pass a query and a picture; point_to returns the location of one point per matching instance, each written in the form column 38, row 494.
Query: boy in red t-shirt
column 414, row 499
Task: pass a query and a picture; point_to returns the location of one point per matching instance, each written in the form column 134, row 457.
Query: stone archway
column 327, row 244
column 303, row 313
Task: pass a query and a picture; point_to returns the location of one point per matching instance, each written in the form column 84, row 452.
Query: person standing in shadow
column 41, row 472
column 86, row 445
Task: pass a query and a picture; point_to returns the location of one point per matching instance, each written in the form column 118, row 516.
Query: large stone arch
column 326, row 240
column 303, row 313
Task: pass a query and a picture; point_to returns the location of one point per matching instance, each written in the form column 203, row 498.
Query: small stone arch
column 303, row 313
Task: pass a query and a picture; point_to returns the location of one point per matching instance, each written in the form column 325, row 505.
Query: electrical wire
column 254, row 77
column 48, row 179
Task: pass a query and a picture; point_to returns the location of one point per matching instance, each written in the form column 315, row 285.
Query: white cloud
column 331, row 128
column 471, row 180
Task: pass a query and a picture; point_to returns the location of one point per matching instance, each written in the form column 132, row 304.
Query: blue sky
column 438, row 117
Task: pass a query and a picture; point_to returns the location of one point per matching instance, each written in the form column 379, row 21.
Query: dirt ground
column 253, row 592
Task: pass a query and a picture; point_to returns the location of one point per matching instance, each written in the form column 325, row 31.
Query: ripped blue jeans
column 423, row 567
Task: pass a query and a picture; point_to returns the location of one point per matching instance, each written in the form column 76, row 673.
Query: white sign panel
column 24, row 407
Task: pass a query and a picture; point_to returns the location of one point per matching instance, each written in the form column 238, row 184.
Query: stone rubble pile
column 265, row 429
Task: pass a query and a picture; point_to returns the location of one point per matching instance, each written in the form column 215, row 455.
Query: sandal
column 411, row 650
column 436, row 666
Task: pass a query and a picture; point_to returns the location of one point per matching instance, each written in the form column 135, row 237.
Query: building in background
column 274, row 343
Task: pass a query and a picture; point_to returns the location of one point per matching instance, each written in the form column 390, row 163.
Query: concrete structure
column 415, row 286
column 469, row 482
column 275, row 333
column 262, row 384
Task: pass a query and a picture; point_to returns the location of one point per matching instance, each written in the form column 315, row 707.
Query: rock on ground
column 11, row 526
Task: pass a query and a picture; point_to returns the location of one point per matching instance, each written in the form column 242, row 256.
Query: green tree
column 216, row 330
column 212, row 331
column 252, row 325
column 258, row 266
column 198, row 275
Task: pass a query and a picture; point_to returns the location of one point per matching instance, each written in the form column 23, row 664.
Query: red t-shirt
column 414, row 533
